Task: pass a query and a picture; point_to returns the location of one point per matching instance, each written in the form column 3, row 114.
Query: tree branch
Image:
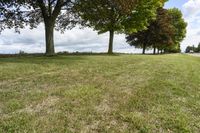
column 57, row 9
column 43, row 8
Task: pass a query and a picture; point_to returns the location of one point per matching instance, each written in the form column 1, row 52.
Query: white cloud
column 191, row 8
column 191, row 11
column 86, row 40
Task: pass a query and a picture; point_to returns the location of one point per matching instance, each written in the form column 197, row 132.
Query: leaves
column 166, row 32
column 160, row 32
column 118, row 15
column 19, row 13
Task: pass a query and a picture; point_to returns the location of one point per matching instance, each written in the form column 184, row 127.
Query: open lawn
column 88, row 94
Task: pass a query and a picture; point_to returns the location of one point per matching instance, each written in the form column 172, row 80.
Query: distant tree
column 19, row 13
column 198, row 48
column 117, row 16
column 189, row 49
column 194, row 49
column 158, row 34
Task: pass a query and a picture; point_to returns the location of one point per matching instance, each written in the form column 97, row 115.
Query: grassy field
column 88, row 94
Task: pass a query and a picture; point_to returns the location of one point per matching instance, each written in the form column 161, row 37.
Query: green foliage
column 165, row 33
column 193, row 49
column 198, row 48
column 107, row 16
column 174, row 48
column 179, row 24
column 104, row 15
column 142, row 15
column 160, row 31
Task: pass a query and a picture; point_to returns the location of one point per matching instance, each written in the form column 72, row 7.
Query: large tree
column 117, row 16
column 179, row 25
column 158, row 34
column 19, row 13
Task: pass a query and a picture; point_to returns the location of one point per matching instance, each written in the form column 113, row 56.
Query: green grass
column 122, row 93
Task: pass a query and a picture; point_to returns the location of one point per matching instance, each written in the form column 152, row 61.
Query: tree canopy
column 107, row 16
column 160, row 31
column 179, row 26
column 164, row 33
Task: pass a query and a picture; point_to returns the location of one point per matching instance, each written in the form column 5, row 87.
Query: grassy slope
column 127, row 93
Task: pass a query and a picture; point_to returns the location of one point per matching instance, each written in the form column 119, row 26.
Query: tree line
column 146, row 23
column 164, row 34
column 193, row 49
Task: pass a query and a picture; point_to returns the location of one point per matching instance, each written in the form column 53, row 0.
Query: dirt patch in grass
column 46, row 105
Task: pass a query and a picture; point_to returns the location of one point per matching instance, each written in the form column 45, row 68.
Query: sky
column 87, row 40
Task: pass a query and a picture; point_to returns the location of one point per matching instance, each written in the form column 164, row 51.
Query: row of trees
column 191, row 49
column 132, row 17
column 164, row 34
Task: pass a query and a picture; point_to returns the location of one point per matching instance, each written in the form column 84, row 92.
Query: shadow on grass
column 41, row 59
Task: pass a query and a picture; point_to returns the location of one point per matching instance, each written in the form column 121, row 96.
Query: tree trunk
column 49, row 35
column 154, row 49
column 144, row 48
column 110, row 49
